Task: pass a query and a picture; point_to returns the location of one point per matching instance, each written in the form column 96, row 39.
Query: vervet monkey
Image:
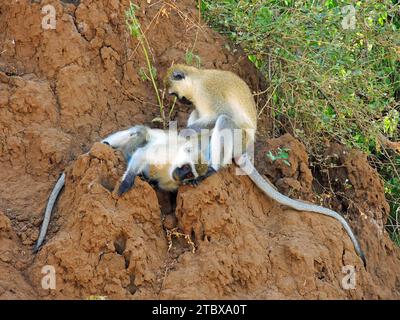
column 140, row 146
column 213, row 93
column 166, row 158
column 223, row 101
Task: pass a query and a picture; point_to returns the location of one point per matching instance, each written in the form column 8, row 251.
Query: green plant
column 136, row 31
column 392, row 191
column 332, row 71
column 192, row 59
column 281, row 153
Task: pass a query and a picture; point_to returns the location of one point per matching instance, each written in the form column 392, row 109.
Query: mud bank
column 61, row 90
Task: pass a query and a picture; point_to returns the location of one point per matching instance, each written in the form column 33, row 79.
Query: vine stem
column 149, row 66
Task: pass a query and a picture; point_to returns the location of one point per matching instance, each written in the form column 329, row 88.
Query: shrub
column 332, row 69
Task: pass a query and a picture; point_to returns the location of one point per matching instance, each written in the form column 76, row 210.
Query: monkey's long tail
column 49, row 208
column 269, row 190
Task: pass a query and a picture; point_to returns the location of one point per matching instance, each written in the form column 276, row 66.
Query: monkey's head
column 185, row 173
column 179, row 82
column 182, row 173
column 185, row 160
column 190, row 163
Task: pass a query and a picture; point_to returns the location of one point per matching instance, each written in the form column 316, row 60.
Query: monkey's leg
column 202, row 123
column 223, row 142
column 128, row 141
column 117, row 139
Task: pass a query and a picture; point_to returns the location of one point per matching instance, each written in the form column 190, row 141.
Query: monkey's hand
column 126, row 184
column 196, row 181
column 191, row 182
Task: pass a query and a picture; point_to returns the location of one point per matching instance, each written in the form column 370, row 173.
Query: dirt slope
column 61, row 90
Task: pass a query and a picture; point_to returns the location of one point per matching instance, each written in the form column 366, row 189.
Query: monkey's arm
column 136, row 166
column 49, row 208
column 195, row 182
column 223, row 146
column 117, row 139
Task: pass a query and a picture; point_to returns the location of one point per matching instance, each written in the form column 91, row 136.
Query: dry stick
column 197, row 31
column 172, row 108
column 184, row 15
column 155, row 3
column 269, row 99
column 150, row 68
column 143, row 42
column 386, row 143
column 148, row 27
column 143, row 33
column 391, row 162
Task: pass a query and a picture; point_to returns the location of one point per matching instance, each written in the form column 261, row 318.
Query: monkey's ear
column 178, row 75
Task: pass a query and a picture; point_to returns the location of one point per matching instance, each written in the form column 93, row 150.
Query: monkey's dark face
column 183, row 100
column 175, row 84
column 178, row 82
column 183, row 173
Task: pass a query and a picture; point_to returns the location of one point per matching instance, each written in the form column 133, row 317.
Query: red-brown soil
column 61, row 90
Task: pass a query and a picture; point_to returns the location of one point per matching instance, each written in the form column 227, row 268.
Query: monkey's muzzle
column 183, row 173
column 182, row 99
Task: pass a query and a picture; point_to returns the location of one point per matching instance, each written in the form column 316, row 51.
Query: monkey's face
column 178, row 82
column 184, row 166
column 183, row 173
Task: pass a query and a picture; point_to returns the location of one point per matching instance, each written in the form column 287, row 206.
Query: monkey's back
column 227, row 93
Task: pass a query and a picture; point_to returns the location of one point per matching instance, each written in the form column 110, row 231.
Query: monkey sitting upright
column 223, row 101
column 213, row 93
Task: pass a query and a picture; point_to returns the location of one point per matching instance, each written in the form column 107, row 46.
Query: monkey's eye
column 178, row 75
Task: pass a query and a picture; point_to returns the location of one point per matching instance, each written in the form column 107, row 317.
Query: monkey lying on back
column 166, row 157
column 152, row 153
column 223, row 101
